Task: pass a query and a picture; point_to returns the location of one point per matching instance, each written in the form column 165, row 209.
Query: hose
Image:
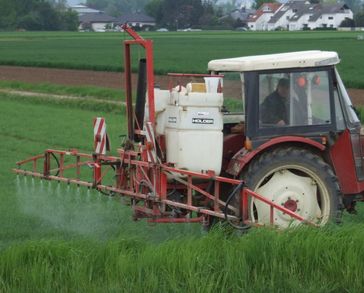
column 238, row 188
column 57, row 161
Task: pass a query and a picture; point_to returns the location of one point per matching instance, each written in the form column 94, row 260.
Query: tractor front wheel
column 297, row 179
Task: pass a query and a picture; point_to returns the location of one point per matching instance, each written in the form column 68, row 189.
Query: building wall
column 262, row 22
column 300, row 23
column 331, row 20
column 99, row 26
column 141, row 24
column 283, row 22
column 252, row 26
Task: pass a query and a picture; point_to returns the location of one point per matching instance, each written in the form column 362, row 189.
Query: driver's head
column 283, row 87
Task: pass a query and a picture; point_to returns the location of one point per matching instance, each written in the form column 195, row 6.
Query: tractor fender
column 244, row 156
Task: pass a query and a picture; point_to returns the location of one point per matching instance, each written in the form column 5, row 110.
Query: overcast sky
column 73, row 2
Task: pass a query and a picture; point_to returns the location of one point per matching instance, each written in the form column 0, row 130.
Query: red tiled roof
column 273, row 8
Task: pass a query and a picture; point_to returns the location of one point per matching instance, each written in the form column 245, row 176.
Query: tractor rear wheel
column 297, row 179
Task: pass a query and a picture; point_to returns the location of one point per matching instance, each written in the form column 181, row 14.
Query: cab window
column 294, row 99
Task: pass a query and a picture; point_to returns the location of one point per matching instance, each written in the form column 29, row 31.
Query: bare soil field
column 103, row 79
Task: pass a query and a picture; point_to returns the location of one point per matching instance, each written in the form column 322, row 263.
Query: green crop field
column 55, row 238
column 176, row 51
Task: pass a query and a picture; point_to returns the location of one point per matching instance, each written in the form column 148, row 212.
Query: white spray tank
column 193, row 126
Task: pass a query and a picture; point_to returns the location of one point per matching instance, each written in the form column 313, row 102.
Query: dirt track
column 97, row 78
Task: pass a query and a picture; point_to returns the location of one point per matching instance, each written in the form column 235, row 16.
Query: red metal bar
column 163, row 186
column 51, row 177
column 279, row 207
column 194, row 75
column 198, row 210
column 128, row 88
column 29, row 160
column 71, row 166
column 28, row 173
column 61, row 165
column 203, row 192
column 189, row 191
column 216, row 194
column 47, row 164
column 150, row 80
column 78, row 170
column 244, row 204
column 71, row 181
column 123, row 192
column 176, row 220
column 131, row 32
column 201, row 175
column 97, row 173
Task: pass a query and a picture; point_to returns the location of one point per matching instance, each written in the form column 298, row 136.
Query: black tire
column 290, row 172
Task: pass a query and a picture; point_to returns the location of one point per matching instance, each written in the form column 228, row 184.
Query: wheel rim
column 298, row 189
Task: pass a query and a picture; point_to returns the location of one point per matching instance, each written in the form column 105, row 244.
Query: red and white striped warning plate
column 151, row 146
column 100, row 137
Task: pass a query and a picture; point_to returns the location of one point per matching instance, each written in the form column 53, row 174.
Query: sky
column 73, row 2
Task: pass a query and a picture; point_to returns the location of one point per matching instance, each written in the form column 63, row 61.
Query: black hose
column 57, row 161
column 238, row 188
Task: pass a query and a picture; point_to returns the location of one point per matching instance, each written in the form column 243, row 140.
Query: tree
column 153, row 8
column 118, row 7
column 354, row 5
column 70, row 20
column 359, row 19
column 36, row 15
column 259, row 3
column 228, row 6
column 176, row 14
column 347, row 22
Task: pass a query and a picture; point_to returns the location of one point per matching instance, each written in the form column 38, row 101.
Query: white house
column 329, row 16
column 97, row 22
column 259, row 20
column 281, row 19
column 298, row 15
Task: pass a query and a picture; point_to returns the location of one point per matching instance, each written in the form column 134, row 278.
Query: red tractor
column 293, row 154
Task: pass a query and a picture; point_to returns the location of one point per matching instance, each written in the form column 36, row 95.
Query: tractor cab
column 297, row 93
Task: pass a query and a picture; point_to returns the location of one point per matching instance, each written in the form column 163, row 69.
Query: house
column 298, row 15
column 82, row 9
column 329, row 16
column 281, row 19
column 97, row 22
column 240, row 15
column 137, row 20
column 259, row 20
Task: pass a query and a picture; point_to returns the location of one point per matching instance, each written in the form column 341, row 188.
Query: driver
column 274, row 109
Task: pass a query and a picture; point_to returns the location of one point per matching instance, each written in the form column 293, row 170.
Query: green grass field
column 55, row 238
column 176, row 51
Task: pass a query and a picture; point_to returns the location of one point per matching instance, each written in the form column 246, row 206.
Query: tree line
column 39, row 15
column 179, row 14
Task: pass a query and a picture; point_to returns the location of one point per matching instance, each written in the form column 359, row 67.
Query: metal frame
column 147, row 185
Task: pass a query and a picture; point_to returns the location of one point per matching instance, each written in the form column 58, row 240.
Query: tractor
column 290, row 154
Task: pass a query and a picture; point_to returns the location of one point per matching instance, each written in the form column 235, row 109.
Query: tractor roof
column 275, row 61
